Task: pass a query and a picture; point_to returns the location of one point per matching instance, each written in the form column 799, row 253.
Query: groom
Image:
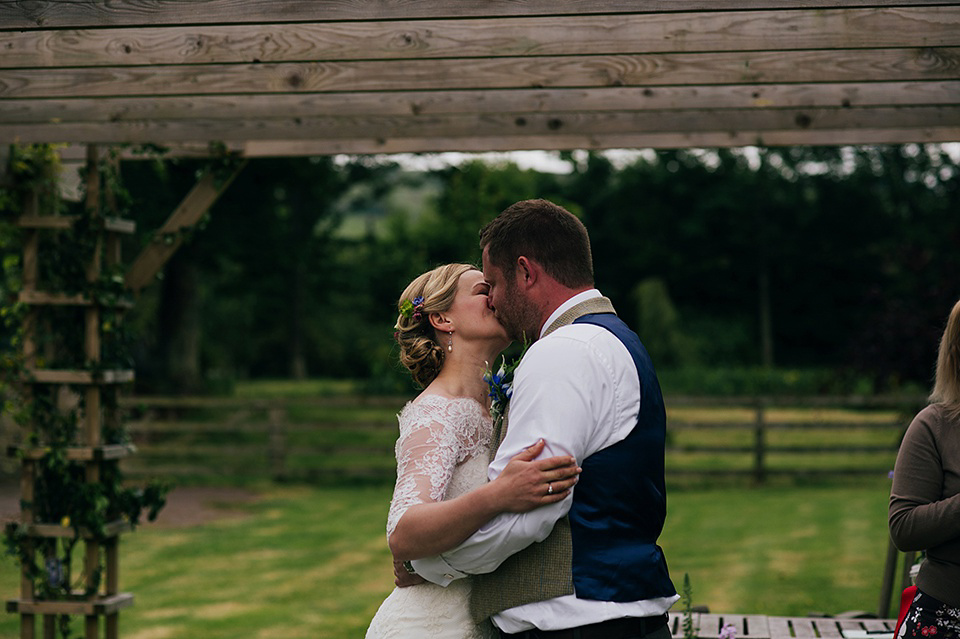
column 588, row 566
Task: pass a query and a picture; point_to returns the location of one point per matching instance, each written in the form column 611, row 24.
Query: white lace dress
column 442, row 453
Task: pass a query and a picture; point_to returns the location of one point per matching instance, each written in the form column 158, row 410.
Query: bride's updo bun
column 420, row 350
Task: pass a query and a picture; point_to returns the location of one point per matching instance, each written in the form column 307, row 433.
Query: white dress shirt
column 577, row 388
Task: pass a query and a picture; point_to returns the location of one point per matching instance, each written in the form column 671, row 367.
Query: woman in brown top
column 925, row 499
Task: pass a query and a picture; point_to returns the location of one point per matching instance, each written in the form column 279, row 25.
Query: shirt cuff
column 437, row 570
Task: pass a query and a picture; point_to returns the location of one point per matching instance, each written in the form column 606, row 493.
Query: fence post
column 759, row 472
column 278, row 443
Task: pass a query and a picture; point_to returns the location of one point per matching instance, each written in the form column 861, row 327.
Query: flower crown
column 413, row 309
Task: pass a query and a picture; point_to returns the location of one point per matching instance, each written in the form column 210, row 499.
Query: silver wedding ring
column 549, row 488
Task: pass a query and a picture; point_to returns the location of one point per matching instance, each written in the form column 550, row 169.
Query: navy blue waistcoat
column 620, row 502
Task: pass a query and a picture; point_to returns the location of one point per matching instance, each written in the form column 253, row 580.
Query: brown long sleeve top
column 925, row 500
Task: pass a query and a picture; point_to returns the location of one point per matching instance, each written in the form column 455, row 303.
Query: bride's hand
column 526, row 484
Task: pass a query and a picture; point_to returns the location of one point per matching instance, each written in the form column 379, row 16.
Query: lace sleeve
column 435, row 436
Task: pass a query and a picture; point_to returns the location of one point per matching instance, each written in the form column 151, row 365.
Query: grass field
column 312, row 562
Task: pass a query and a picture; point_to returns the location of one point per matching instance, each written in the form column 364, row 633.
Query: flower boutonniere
column 501, row 385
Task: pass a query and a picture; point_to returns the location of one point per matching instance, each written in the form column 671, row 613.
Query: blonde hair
column 420, row 351
column 946, row 388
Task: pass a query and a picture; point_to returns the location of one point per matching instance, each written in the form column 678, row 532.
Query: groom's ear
column 528, row 272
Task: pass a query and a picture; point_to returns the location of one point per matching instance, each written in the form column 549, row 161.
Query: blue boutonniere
column 501, row 385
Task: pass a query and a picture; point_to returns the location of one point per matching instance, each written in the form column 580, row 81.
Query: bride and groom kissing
column 544, row 523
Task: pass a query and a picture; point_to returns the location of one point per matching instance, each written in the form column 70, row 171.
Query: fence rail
column 352, row 438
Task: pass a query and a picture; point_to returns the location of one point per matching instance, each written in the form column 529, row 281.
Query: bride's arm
column 433, row 527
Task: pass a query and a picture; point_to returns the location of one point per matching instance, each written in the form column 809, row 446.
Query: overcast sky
column 545, row 161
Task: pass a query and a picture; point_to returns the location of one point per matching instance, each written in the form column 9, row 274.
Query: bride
column 448, row 336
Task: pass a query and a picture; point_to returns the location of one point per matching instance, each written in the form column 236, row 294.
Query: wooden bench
column 708, row 626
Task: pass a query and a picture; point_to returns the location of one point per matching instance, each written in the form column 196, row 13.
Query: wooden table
column 764, row 627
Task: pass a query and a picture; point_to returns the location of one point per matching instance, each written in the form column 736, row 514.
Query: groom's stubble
column 518, row 315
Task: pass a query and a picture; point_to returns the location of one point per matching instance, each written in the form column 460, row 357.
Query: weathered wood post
column 278, row 443
column 759, row 446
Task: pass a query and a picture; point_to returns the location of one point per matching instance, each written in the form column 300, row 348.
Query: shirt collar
column 570, row 303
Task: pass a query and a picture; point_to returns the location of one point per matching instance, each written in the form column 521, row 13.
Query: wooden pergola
column 319, row 77
column 299, row 77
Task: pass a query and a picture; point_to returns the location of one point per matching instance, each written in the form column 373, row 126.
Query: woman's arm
column 430, row 528
column 920, row 516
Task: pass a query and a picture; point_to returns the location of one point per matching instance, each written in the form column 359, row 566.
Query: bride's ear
column 440, row 322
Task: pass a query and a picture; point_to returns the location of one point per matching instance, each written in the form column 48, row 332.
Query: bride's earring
column 450, row 343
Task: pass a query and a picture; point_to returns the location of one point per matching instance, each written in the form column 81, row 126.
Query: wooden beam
column 139, row 110
column 169, row 238
column 489, row 73
column 745, row 137
column 17, row 14
column 771, row 30
column 378, row 129
column 294, row 148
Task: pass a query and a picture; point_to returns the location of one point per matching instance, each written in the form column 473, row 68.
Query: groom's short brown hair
column 545, row 232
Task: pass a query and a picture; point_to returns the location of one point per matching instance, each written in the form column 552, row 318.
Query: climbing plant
column 49, row 414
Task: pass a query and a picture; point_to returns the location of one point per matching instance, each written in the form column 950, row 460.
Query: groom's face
column 508, row 303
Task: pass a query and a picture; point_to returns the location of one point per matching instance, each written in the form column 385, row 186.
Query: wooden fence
column 762, row 437
column 351, row 439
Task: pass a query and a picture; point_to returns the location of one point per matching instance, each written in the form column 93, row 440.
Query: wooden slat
column 839, row 28
column 51, row 376
column 827, row 628
column 827, row 137
column 680, row 425
column 783, row 628
column 151, row 427
column 847, row 448
column 96, row 13
column 196, row 203
column 754, row 627
column 98, row 606
column 747, row 626
column 41, row 298
column 57, row 531
column 425, row 103
column 293, row 148
column 136, row 427
column 501, row 125
column 875, row 625
column 394, row 402
column 62, row 222
column 941, row 63
column 78, row 453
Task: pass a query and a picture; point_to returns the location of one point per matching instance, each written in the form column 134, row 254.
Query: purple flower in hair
column 413, row 309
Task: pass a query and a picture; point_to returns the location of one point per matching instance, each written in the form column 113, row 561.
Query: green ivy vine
column 62, row 494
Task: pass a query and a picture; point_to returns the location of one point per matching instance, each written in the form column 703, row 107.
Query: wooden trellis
column 100, row 596
column 93, row 449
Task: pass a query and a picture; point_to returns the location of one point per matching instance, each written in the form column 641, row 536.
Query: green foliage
column 62, row 493
column 659, row 326
column 32, row 172
column 749, row 381
column 854, row 243
column 857, row 246
column 690, row 630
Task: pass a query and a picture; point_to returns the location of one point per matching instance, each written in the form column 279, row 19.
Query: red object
column 905, row 600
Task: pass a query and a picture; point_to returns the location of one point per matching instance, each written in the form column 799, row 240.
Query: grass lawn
column 313, row 562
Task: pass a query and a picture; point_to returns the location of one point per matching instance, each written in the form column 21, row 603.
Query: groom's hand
column 404, row 578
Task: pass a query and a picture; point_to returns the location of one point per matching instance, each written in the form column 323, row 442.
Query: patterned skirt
column 930, row 618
